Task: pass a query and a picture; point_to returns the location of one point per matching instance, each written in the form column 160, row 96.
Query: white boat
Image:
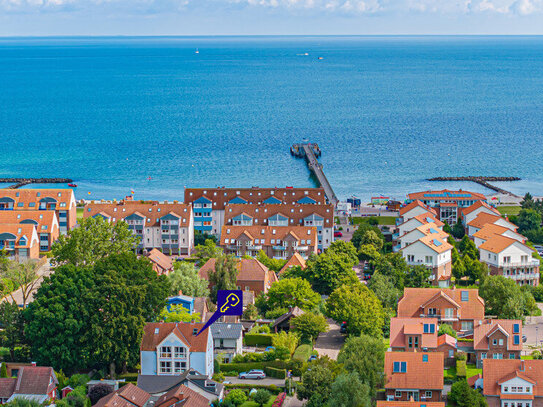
column 197, row 51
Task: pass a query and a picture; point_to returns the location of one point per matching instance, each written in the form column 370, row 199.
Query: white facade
column 500, row 222
column 473, row 214
column 516, row 386
column 508, row 233
column 516, row 253
column 408, row 226
column 416, row 211
column 420, row 254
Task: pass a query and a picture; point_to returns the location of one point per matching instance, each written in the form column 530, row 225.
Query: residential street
column 533, row 329
column 329, row 343
column 268, row 381
column 45, row 270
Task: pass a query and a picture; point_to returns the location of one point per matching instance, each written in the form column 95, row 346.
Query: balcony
column 396, row 248
column 396, row 236
column 419, row 263
column 280, row 257
column 523, row 276
column 233, row 247
column 259, row 247
column 301, row 248
column 399, row 220
column 522, row 264
column 280, row 248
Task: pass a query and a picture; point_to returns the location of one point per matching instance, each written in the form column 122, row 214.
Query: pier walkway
column 310, row 152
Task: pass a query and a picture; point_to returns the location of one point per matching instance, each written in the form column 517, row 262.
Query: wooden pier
column 311, row 152
column 19, row 182
column 484, row 181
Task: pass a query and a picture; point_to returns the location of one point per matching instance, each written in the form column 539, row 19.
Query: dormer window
column 195, row 331
column 400, row 367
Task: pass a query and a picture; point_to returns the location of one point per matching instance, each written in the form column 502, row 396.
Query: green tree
column 317, row 381
column 184, row 278
column 329, row 271
column 447, row 228
column 23, row 277
column 224, row 277
column 458, row 230
column 178, row 313
column 357, row 238
column 272, row 264
column 462, row 395
column 475, row 269
column 372, row 238
column 201, row 237
column 344, row 249
column 368, row 252
column 4, row 371
column 287, row 340
column 206, row 251
column 292, row 292
column 458, row 269
column 12, row 323
column 309, row 326
column 261, row 397
column 365, row 356
column 446, row 329
column 467, row 248
column 528, row 219
column 359, row 307
column 250, row 313
column 94, row 316
column 528, row 201
column 94, row 239
column 503, row 297
column 237, row 396
column 418, row 277
column 385, row 290
column 348, row 391
column 393, row 266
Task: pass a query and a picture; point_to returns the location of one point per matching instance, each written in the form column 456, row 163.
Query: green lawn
column 80, row 212
column 509, row 210
column 471, row 370
column 383, row 220
column 253, row 404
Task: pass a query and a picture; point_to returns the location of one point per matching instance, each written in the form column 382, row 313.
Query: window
column 165, row 367
column 497, row 356
column 516, row 339
column 501, row 342
column 494, row 341
column 425, row 358
column 428, row 394
column 180, row 367
column 511, row 356
column 400, row 367
column 180, row 352
column 166, row 352
column 429, row 328
column 516, row 328
column 483, row 355
column 451, row 353
column 467, row 325
column 398, row 393
column 464, row 295
column 432, row 311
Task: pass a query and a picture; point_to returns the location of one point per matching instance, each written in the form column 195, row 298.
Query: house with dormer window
column 414, row 376
column 172, row 348
column 497, row 339
column 20, row 241
column 413, row 334
column 413, row 209
column 36, row 383
column 513, row 383
column 461, row 308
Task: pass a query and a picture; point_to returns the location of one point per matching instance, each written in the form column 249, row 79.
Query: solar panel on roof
column 433, row 230
column 437, row 242
column 429, row 220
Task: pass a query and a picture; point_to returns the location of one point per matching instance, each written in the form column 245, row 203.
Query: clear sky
column 248, row 17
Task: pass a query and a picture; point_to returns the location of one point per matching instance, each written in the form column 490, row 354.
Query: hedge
column 272, row 389
column 245, row 367
column 302, row 353
column 129, row 377
column 274, row 372
column 461, row 368
column 258, row 339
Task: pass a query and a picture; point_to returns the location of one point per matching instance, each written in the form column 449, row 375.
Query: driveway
column 268, row 381
column 329, row 343
column 44, row 270
column 533, row 329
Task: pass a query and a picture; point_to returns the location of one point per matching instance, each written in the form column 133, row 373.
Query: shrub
column 237, row 396
column 274, row 372
column 279, row 400
column 260, row 329
column 461, row 356
column 296, row 367
column 261, row 397
column 248, row 357
column 99, row 391
column 273, row 390
column 216, row 366
column 302, row 353
column 218, row 377
column 461, row 368
column 258, row 339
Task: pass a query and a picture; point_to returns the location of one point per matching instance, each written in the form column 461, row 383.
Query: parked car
column 337, row 233
column 253, row 374
column 524, row 338
column 343, row 327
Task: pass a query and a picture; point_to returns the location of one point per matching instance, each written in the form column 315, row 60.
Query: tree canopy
column 93, row 316
column 349, row 391
column 504, row 298
column 359, row 307
column 185, row 278
column 345, row 249
column 329, row 271
column 94, row 239
column 309, row 326
column 206, row 251
column 292, row 292
column 224, row 276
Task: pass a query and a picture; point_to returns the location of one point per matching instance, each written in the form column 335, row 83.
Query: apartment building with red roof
column 278, row 242
column 471, row 212
column 167, row 226
column 513, row 382
column 209, row 203
column 172, row 348
column 483, row 219
column 461, row 308
column 413, row 375
column 46, row 223
column 497, row 339
column 412, row 209
column 20, row 240
column 317, row 215
column 252, row 275
column 490, row 230
column 62, row 201
column 448, row 204
column 415, row 222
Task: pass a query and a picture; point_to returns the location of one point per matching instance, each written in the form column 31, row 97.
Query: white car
column 253, row 374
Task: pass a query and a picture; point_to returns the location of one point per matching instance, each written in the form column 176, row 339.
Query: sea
column 153, row 115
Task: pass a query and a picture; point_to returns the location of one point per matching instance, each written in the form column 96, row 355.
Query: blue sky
column 244, row 17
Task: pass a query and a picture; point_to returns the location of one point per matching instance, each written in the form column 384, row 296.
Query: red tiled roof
column 160, row 259
column 31, row 195
column 221, row 196
column 399, row 327
column 182, row 393
column 184, row 331
column 19, row 230
column 35, row 380
column 473, row 379
column 261, row 212
column 413, row 299
column 295, row 260
column 255, row 232
column 428, row 218
column 419, row 374
column 446, row 339
column 385, row 403
column 413, row 205
column 7, row 386
column 43, row 218
column 495, row 371
column 482, row 332
column 478, row 205
column 127, row 396
column 484, row 218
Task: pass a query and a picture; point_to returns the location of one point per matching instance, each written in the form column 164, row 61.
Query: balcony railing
column 523, row 276
column 279, row 247
column 259, row 247
column 528, row 263
column 301, row 248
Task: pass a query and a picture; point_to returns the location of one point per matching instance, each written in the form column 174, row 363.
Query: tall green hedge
column 245, row 367
column 302, row 353
column 274, row 372
column 258, row 339
column 461, row 368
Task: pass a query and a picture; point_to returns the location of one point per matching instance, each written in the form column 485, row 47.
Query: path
column 533, row 329
column 268, row 381
column 44, row 270
column 329, row 343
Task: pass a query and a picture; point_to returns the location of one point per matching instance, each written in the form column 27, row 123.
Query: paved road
column 533, row 329
column 294, row 402
column 329, row 343
column 44, row 270
column 268, row 381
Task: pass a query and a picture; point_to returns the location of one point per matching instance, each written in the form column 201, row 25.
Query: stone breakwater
column 19, row 182
column 484, row 181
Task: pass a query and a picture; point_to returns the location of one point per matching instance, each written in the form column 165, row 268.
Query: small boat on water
column 197, row 51
column 321, row 57
column 72, row 185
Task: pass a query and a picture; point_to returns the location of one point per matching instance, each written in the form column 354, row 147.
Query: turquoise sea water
column 388, row 112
